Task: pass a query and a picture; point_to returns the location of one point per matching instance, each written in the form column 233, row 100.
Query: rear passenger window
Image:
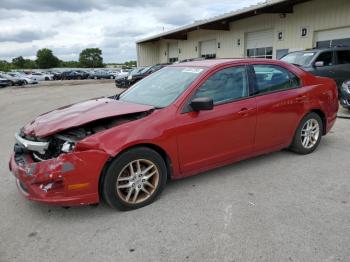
column 270, row 78
column 343, row 57
column 326, row 58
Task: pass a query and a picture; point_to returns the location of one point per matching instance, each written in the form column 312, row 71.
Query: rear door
column 280, row 105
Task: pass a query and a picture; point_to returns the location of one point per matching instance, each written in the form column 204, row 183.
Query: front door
column 208, row 138
column 327, row 70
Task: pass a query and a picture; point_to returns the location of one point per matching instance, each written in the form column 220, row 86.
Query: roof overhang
column 223, row 22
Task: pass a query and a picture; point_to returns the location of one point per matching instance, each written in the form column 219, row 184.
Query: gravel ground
column 277, row 207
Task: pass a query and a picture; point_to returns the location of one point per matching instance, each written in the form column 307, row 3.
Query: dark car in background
column 329, row 62
column 71, row 75
column 136, row 75
column 143, row 73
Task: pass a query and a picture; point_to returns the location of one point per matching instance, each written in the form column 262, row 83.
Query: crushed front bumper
column 69, row 180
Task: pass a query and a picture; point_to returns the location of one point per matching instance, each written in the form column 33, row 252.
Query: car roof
column 342, row 48
column 217, row 62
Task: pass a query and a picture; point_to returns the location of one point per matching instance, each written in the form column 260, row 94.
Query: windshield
column 145, row 70
column 299, row 58
column 163, row 87
column 135, row 71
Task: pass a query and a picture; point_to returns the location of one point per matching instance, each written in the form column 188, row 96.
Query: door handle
column 245, row 111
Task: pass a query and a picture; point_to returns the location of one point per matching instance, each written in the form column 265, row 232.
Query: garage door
column 259, row 44
column 173, row 51
column 208, row 49
column 334, row 37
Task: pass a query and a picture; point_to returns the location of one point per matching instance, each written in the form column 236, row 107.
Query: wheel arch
column 322, row 115
column 158, row 149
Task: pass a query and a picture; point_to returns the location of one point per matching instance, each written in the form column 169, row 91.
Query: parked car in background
column 122, row 81
column 123, row 72
column 329, row 62
column 15, row 81
column 72, row 75
column 40, row 76
column 4, row 82
column 345, row 94
column 102, row 74
column 143, row 73
column 182, row 120
column 27, row 80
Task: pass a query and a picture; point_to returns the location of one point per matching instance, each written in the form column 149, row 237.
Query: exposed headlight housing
column 67, row 147
column 346, row 86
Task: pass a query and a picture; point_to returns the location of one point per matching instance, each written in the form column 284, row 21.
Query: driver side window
column 226, row 85
column 326, row 58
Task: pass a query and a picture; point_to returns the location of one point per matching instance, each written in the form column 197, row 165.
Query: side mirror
column 202, row 103
column 319, row 64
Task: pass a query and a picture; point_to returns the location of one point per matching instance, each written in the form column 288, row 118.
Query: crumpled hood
column 79, row 114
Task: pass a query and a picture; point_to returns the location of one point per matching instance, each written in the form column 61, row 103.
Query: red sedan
column 182, row 120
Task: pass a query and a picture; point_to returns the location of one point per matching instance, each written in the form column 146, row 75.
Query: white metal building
column 267, row 30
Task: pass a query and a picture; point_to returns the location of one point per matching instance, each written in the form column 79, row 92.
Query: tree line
column 45, row 58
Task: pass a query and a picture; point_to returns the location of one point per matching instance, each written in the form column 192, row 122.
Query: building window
column 333, row 43
column 173, row 59
column 209, row 56
column 262, row 52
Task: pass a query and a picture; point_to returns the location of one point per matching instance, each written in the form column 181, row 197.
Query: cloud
column 68, row 26
column 25, row 36
column 71, row 5
column 50, row 5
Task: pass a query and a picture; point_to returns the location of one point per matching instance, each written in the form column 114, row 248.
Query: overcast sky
column 68, row 26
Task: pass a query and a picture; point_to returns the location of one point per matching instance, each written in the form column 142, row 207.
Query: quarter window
column 226, row 85
column 270, row 78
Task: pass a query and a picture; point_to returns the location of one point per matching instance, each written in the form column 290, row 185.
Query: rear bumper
column 69, row 180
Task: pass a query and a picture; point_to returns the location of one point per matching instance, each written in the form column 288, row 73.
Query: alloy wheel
column 310, row 133
column 137, row 181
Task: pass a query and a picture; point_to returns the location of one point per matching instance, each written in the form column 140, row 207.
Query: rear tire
column 134, row 179
column 308, row 135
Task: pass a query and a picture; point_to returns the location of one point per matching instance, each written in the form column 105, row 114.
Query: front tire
column 308, row 135
column 134, row 179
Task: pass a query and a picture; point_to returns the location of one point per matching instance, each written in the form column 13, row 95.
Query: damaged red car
column 182, row 120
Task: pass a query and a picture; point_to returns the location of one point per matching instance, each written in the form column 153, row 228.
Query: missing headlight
column 67, row 147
